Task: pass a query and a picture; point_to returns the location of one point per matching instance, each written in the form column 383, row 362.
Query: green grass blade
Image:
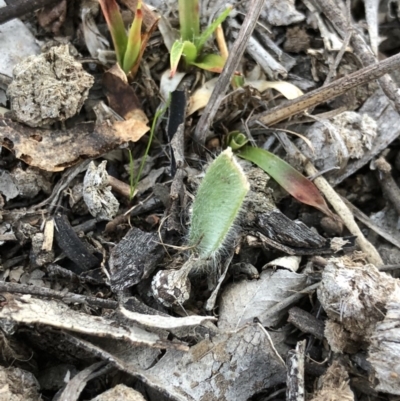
column 202, row 39
column 189, row 19
column 116, row 27
column 134, row 183
column 286, row 176
column 217, row 204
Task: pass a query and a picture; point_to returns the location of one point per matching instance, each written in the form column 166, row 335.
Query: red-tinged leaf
column 116, row 27
column 211, row 62
column 286, row 176
column 175, row 56
column 186, row 49
column 134, row 40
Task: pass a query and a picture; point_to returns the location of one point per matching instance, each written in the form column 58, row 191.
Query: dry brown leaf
column 121, row 96
column 55, row 150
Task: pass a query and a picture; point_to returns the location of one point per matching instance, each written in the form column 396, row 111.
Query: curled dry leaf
column 55, row 150
column 287, row 262
column 288, row 90
column 122, row 97
column 201, row 96
column 94, row 40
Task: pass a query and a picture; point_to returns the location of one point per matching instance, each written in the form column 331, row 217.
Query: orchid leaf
column 134, row 41
column 217, row 205
column 189, row 19
column 189, row 52
column 286, row 176
column 236, row 140
column 202, row 39
column 116, row 27
column 175, row 56
column 211, row 62
column 182, row 48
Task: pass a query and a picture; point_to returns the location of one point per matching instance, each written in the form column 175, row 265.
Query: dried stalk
column 328, row 92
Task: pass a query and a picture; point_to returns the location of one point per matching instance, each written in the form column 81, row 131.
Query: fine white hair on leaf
column 217, row 205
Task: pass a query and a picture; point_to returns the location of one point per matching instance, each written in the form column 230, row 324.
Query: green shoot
column 200, row 41
column 127, row 47
column 283, row 173
column 191, row 43
column 134, row 40
column 133, row 183
column 131, row 176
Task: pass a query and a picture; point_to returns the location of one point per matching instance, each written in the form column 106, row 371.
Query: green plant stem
column 132, row 187
column 152, row 130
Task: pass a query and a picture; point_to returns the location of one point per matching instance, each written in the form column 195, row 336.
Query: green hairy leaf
column 217, row 204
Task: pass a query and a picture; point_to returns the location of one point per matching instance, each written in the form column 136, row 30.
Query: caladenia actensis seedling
column 216, row 206
column 282, row 172
column 129, row 46
column 189, row 47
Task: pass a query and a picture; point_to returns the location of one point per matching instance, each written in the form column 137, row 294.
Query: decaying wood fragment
column 72, row 245
column 134, row 258
column 334, row 385
column 363, row 305
column 384, row 351
column 306, row 322
column 275, row 229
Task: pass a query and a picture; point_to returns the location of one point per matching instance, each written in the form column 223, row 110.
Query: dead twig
column 388, row 184
column 306, row 322
column 18, row 8
column 67, row 297
column 344, row 212
column 328, row 92
column 231, row 65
